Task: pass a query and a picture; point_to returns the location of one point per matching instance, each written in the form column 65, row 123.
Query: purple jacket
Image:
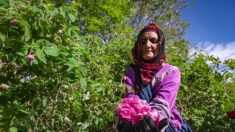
column 165, row 89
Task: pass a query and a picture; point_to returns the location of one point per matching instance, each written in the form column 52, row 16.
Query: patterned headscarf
column 148, row 68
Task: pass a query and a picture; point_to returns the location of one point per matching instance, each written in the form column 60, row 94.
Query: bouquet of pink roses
column 134, row 110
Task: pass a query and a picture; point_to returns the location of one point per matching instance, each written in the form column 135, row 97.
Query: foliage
column 72, row 81
column 206, row 91
column 205, row 96
column 51, row 92
column 103, row 16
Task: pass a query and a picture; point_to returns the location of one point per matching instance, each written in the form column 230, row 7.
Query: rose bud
column 13, row 22
column 60, row 31
column 31, row 58
column 1, row 64
column 4, row 86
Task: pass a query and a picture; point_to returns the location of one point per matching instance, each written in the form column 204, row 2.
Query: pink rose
column 133, row 110
column 13, row 22
column 31, row 57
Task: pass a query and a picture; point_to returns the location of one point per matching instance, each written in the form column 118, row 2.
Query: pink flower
column 13, row 22
column 4, row 86
column 133, row 110
column 31, row 57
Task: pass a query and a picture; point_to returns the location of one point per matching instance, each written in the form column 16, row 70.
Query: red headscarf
column 149, row 68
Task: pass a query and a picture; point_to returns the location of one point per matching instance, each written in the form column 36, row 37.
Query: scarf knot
column 147, row 70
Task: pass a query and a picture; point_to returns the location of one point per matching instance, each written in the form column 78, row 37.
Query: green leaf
column 27, row 32
column 82, row 69
column 42, row 42
column 41, row 56
column 52, row 51
column 13, row 129
column 24, row 111
column 86, row 96
column 83, row 83
column 2, row 37
column 72, row 63
column 3, row 3
column 44, row 102
column 231, row 63
column 100, row 89
column 72, row 18
column 27, row 37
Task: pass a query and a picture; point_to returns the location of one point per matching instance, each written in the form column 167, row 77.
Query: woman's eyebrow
column 144, row 37
column 153, row 37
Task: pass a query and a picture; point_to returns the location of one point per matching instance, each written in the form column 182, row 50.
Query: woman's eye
column 143, row 41
column 153, row 40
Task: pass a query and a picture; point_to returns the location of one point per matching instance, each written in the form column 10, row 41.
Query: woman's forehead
column 150, row 34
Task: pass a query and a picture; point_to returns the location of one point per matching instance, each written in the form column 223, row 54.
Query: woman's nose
column 148, row 43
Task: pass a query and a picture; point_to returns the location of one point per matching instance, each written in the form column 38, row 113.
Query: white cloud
column 222, row 50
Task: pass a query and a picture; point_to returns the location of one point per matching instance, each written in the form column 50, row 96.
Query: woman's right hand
column 146, row 125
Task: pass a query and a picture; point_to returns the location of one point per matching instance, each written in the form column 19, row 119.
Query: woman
column 153, row 80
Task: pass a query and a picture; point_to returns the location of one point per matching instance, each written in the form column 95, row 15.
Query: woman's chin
column 149, row 57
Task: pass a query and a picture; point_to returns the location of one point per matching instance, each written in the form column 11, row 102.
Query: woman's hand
column 146, row 125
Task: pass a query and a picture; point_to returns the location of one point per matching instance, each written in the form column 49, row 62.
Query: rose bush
column 45, row 82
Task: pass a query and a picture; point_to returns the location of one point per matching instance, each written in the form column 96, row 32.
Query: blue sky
column 212, row 26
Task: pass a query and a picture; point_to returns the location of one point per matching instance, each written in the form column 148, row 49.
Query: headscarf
column 149, row 68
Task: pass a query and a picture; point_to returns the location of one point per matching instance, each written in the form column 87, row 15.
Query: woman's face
column 149, row 45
